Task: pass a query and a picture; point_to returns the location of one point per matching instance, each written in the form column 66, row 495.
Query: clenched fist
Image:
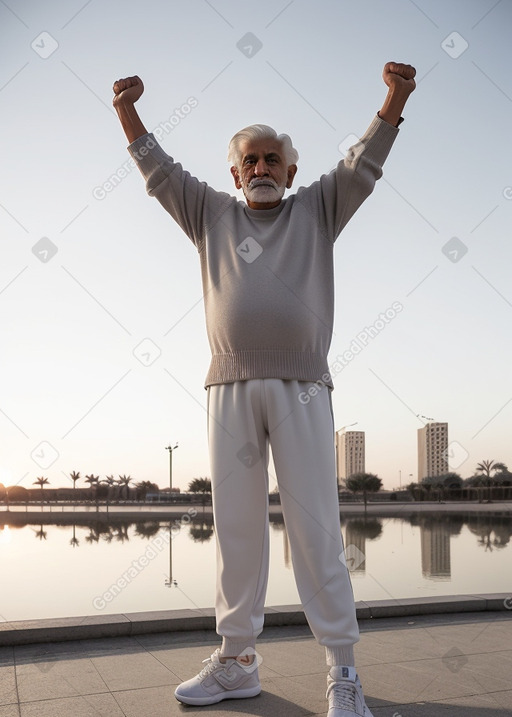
column 398, row 76
column 128, row 90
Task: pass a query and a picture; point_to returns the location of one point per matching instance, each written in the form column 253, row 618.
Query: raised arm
column 400, row 81
column 126, row 92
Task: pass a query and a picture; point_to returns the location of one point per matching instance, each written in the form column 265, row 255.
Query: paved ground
column 457, row 665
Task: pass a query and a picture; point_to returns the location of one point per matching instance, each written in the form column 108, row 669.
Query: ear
column 292, row 170
column 236, row 177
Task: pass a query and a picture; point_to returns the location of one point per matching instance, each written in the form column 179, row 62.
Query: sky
column 103, row 346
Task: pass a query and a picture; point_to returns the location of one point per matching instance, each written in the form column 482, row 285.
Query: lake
column 129, row 564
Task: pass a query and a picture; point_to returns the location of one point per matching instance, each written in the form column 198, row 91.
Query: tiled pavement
column 457, row 665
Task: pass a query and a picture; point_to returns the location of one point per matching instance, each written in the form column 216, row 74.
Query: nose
column 261, row 168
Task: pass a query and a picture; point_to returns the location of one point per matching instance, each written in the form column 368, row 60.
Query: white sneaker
column 220, row 681
column 345, row 693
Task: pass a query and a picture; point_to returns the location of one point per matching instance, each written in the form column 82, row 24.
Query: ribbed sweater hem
column 268, row 363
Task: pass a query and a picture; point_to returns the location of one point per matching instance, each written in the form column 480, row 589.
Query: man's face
column 263, row 175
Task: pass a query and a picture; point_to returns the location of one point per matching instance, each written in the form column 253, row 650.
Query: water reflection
column 492, row 531
column 435, row 536
column 279, row 527
column 201, row 532
column 41, row 534
column 392, row 557
column 357, row 532
column 491, row 535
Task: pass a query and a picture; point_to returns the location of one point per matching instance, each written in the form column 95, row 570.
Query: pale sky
column 96, row 280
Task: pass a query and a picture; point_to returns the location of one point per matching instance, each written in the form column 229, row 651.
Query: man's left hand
column 399, row 76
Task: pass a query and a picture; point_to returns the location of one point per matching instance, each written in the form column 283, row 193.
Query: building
column 432, row 450
column 350, row 453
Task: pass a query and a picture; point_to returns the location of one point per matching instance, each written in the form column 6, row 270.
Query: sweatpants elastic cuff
column 232, row 647
column 340, row 656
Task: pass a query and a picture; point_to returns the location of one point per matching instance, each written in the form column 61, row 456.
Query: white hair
column 260, row 131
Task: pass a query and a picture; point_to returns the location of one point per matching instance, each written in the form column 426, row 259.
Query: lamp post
column 171, row 582
column 170, row 449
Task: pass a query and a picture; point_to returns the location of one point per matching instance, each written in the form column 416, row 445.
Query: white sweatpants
column 244, row 417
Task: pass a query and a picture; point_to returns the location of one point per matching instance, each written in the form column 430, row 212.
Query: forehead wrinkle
column 265, row 146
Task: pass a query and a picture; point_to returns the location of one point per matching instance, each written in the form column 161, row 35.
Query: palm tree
column 200, row 485
column 41, row 482
column 125, row 481
column 486, row 467
column 74, row 475
column 93, row 481
column 110, row 481
column 364, row 483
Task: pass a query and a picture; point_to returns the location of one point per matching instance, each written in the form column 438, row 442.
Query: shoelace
column 210, row 667
column 344, row 694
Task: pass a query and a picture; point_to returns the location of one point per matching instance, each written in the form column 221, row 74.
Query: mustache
column 254, row 183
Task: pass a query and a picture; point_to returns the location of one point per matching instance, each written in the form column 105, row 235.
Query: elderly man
column 267, row 270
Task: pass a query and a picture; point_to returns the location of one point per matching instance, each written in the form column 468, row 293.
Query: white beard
column 263, row 191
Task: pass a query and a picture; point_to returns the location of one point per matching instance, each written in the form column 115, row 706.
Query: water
column 129, row 565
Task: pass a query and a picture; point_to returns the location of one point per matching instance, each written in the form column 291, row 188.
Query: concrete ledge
column 420, row 606
column 26, row 632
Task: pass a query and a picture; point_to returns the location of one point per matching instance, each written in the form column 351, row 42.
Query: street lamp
column 170, row 449
column 348, row 426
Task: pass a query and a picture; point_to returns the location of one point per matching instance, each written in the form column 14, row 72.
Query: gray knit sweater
column 267, row 274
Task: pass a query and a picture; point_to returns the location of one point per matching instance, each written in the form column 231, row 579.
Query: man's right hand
column 126, row 93
column 127, row 90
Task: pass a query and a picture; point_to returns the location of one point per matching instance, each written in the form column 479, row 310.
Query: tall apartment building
column 432, row 450
column 350, row 453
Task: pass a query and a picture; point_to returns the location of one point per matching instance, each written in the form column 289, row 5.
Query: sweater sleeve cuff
column 400, row 120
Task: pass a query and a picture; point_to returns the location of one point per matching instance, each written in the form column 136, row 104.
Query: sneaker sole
column 233, row 695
